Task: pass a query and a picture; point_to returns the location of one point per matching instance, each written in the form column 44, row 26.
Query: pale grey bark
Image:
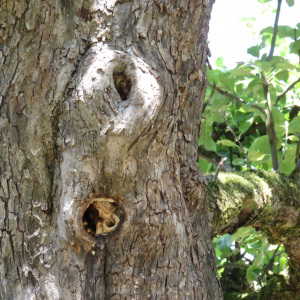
column 102, row 99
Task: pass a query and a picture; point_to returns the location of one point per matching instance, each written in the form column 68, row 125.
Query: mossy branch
column 265, row 200
column 268, row 201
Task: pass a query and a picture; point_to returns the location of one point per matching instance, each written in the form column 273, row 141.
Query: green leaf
column 244, row 126
column 227, row 81
column 282, row 75
column 241, row 70
column 283, row 263
column 278, row 116
column 295, row 47
column 255, row 269
column 279, row 90
column 280, row 131
column 228, row 143
column 258, row 261
column 281, row 63
column 212, row 116
column 290, row 2
column 205, row 138
column 267, row 31
column 223, row 244
column 283, row 32
column 252, row 274
column 213, row 76
column 288, row 164
column 260, row 150
column 239, row 89
column 267, row 66
column 219, row 62
column 204, row 165
column 293, row 138
column 256, row 244
column 256, row 87
column 221, row 101
column 242, row 232
column 287, row 31
column 238, row 161
column 254, row 51
column 294, row 126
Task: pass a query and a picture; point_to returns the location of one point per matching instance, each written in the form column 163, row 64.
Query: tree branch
column 234, row 97
column 270, row 125
column 271, row 261
column 211, row 94
column 268, row 201
column 287, row 90
column 275, row 31
column 296, row 172
column 221, row 163
column 286, row 123
column 213, row 158
column 236, row 266
column 264, row 200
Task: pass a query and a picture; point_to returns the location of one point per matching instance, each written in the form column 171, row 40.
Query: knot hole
column 101, row 216
column 122, row 83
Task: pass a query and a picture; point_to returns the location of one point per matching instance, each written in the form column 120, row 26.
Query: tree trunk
column 101, row 196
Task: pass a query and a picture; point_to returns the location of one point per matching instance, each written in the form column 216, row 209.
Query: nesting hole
column 101, row 217
column 122, row 83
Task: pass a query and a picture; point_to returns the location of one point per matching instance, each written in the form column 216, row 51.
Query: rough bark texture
column 102, row 100
column 265, row 200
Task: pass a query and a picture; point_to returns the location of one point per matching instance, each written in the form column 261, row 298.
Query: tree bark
column 101, row 195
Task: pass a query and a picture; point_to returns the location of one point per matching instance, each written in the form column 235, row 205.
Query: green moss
column 265, row 193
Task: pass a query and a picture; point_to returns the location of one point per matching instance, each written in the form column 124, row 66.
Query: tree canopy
column 251, row 125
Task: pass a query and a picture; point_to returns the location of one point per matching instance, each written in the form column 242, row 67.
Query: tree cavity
column 122, row 82
column 101, row 217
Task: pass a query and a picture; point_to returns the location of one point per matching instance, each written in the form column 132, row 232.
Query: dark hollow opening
column 90, row 219
column 122, row 84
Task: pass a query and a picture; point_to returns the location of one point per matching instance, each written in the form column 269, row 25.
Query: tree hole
column 101, row 217
column 122, row 84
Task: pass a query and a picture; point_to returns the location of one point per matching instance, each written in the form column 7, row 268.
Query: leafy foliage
column 251, row 117
column 255, row 103
column 247, row 259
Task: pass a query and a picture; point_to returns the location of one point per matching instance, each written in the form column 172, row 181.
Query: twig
column 214, row 158
column 219, row 167
column 211, row 94
column 271, row 262
column 297, row 151
column 237, row 266
column 286, row 123
column 287, row 90
column 295, row 173
column 270, row 127
column 208, row 64
column 275, row 31
column 234, row 97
